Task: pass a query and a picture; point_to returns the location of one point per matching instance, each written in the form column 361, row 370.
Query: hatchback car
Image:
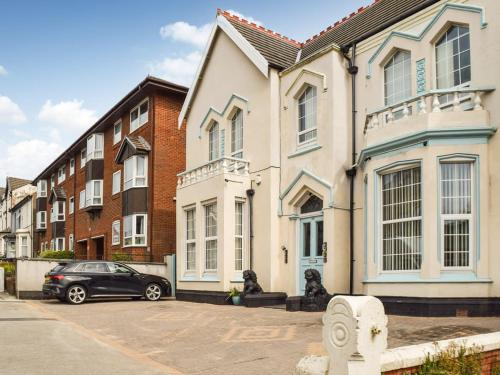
column 75, row 282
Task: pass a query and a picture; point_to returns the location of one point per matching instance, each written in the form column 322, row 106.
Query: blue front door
column 310, row 247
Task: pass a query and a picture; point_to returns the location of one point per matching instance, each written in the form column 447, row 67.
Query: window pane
column 139, row 224
column 191, row 256
column 238, row 232
column 401, row 229
column 306, row 244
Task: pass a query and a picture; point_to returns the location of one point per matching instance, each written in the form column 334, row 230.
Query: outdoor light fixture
column 285, row 250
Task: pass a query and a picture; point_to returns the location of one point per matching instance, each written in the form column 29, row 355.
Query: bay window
column 41, row 220
column 134, row 230
column 213, row 142
column 191, row 239
column 237, row 135
column 41, row 189
column 93, row 193
column 307, row 116
column 135, row 172
column 456, row 214
column 57, row 211
column 95, row 146
column 139, row 115
column 401, row 220
column 211, row 237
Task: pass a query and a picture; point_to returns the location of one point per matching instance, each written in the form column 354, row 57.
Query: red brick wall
column 165, row 161
column 488, row 362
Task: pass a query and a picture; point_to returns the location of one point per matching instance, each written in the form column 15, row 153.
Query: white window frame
column 470, row 217
column 61, row 174
column 142, row 118
column 117, row 182
column 214, row 142
column 208, row 238
column 190, row 241
column 72, row 166
column 115, row 227
column 83, row 157
column 117, row 136
column 25, row 246
column 71, row 244
column 313, row 129
column 406, row 81
column 239, row 234
column 55, row 214
column 41, row 224
column 134, row 235
column 58, row 241
column 237, row 134
column 71, row 208
column 95, row 151
column 41, row 188
column 133, row 181
column 81, row 200
column 409, row 219
column 91, row 198
column 52, row 180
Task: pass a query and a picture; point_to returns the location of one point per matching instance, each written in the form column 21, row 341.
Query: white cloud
column 177, row 69
column 249, row 19
column 3, row 71
column 184, row 32
column 10, row 112
column 69, row 114
column 26, row 159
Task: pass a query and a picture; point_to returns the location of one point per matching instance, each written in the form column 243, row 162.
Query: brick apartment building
column 112, row 191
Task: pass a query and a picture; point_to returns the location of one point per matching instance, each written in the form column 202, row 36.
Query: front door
column 311, row 247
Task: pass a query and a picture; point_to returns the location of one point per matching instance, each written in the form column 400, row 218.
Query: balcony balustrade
column 222, row 166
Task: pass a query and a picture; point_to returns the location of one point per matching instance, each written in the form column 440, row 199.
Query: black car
column 76, row 281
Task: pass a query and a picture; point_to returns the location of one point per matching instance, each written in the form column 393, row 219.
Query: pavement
column 174, row 337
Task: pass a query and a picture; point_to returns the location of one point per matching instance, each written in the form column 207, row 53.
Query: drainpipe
column 250, row 194
column 352, row 69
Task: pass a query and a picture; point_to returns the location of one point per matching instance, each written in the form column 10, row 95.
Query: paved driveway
column 174, row 337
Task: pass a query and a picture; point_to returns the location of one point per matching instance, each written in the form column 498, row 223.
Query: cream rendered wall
column 327, row 162
column 228, row 73
column 485, row 54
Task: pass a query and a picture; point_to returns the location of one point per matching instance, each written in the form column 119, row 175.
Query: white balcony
column 454, row 108
column 222, row 166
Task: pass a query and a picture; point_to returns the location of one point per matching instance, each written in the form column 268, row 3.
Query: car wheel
column 76, row 295
column 153, row 292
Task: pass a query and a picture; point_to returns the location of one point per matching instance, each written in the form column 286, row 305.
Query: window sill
column 304, row 150
column 459, row 277
column 203, row 279
column 125, row 246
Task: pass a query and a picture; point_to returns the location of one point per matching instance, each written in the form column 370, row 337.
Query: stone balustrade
column 434, row 101
column 225, row 165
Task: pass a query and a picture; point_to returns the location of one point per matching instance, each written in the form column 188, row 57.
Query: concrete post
column 355, row 335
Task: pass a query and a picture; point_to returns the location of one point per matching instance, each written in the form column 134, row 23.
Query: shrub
column 9, row 268
column 454, row 360
column 57, row 254
column 120, row 257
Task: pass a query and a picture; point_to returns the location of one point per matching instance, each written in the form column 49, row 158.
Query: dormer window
column 453, row 62
column 139, row 115
column 397, row 78
column 307, row 116
column 61, row 174
column 213, row 142
column 41, row 189
column 95, row 146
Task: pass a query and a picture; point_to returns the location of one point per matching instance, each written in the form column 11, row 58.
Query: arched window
column 307, row 116
column 453, row 64
column 213, row 142
column 313, row 204
column 397, row 78
column 237, row 135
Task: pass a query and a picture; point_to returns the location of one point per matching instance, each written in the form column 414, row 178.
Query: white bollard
column 355, row 335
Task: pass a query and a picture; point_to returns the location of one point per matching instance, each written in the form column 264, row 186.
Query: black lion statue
column 314, row 288
column 251, row 285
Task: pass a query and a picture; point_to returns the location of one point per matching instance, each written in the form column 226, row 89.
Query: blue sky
column 65, row 63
